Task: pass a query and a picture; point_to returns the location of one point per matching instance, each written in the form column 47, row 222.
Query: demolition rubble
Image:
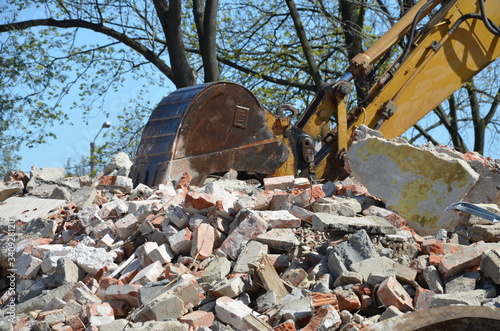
column 285, row 254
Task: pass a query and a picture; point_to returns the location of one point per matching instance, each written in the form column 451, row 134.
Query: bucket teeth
column 206, row 129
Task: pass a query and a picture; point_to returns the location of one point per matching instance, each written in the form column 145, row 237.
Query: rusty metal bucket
column 206, row 129
column 456, row 318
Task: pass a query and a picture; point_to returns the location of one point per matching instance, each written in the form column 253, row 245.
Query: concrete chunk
column 6, row 191
column 42, row 300
column 90, row 259
column 27, row 209
column 358, row 248
column 279, row 219
column 231, row 287
column 119, row 165
column 249, row 228
column 27, row 266
column 180, row 242
column 126, row 226
column 232, row 312
column 470, row 298
column 84, row 197
column 433, row 279
column 148, row 274
column 217, row 269
column 379, row 266
column 490, row 265
column 252, row 253
column 336, row 223
column 279, row 183
column 414, row 183
column 177, row 216
column 282, row 239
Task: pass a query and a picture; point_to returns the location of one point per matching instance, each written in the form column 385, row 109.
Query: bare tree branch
column 138, row 47
column 306, row 47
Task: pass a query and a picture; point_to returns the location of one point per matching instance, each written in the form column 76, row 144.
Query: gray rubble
column 99, row 254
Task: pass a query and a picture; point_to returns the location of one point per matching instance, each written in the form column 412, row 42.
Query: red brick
column 107, row 180
column 364, row 293
column 433, row 246
column 422, row 298
column 121, row 308
column 203, row 241
column 352, row 190
column 435, row 259
column 198, row 318
column 128, row 292
column 325, row 313
column 61, row 327
column 99, row 313
column 396, row 220
column 286, row 326
column 391, row 293
column 106, row 282
column 348, row 300
column 455, row 263
column 75, row 323
column 199, row 200
column 52, row 316
column 183, row 183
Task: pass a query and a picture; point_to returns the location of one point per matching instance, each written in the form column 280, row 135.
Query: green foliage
column 258, row 48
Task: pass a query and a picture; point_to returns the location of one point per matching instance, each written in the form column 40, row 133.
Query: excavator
column 214, row 127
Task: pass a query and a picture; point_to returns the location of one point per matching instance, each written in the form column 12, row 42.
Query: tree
column 282, row 51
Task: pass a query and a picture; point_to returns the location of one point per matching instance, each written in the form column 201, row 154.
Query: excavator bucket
column 207, row 129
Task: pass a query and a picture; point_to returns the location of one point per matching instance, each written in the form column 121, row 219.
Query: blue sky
column 73, row 140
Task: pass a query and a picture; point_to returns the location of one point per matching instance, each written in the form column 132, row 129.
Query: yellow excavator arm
column 219, row 126
column 459, row 41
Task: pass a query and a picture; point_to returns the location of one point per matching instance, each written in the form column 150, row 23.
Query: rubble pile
column 288, row 254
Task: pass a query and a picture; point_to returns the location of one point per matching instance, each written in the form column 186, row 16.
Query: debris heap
column 99, row 254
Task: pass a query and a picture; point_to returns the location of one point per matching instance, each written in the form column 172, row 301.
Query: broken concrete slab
column 162, row 307
column 42, row 300
column 336, row 223
column 381, row 267
column 51, row 174
column 27, row 209
column 414, row 183
column 470, row 298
